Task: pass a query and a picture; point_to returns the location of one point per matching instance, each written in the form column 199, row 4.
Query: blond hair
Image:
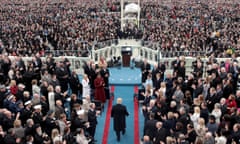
column 17, row 123
column 196, row 109
column 55, row 132
column 13, row 83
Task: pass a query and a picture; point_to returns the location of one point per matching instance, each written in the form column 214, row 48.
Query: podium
column 126, row 56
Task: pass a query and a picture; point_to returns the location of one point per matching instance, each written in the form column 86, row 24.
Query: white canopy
column 132, row 8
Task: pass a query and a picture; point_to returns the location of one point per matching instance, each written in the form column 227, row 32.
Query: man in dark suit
column 75, row 84
column 50, row 122
column 211, row 99
column 62, row 75
column 161, row 133
column 92, row 119
column 145, row 68
column 175, row 64
column 119, row 113
column 150, row 127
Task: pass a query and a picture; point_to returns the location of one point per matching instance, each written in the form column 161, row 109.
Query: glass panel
column 106, row 54
column 150, row 55
column 141, row 52
column 146, row 55
column 111, row 51
column 77, row 64
column 96, row 57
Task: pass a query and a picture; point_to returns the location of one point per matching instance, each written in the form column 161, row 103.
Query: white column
column 138, row 18
column 122, row 14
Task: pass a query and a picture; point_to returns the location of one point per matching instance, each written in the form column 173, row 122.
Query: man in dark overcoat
column 119, row 113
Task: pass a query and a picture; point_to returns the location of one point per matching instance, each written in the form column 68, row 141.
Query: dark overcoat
column 119, row 113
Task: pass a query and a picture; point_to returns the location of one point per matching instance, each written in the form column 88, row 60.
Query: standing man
column 92, row 119
column 75, row 84
column 119, row 113
column 146, row 69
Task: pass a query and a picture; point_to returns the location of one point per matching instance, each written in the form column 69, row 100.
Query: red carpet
column 136, row 122
column 135, row 89
column 107, row 120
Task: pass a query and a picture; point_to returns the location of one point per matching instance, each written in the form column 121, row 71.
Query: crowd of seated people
column 190, row 26
column 67, row 28
column 74, row 28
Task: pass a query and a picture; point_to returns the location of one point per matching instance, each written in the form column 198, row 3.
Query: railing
column 106, row 43
column 76, row 53
column 100, row 49
column 139, row 52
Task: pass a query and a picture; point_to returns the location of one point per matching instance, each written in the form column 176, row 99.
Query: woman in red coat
column 13, row 87
column 231, row 103
column 99, row 89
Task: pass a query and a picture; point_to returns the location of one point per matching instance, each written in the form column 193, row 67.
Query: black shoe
column 123, row 132
column 118, row 139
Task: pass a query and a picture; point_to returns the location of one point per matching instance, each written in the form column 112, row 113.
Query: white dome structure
column 130, row 12
column 132, row 8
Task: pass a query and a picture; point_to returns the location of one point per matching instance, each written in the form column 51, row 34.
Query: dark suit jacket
column 92, row 118
column 75, row 84
column 119, row 113
column 211, row 100
column 150, row 128
column 37, row 118
column 198, row 90
column 50, row 125
column 227, row 90
column 145, row 71
column 181, row 72
column 105, row 78
column 92, row 76
column 25, row 114
column 161, row 135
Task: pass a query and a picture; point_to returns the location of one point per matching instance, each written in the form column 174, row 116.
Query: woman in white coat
column 86, row 86
column 196, row 115
column 35, row 87
column 51, row 98
column 217, row 112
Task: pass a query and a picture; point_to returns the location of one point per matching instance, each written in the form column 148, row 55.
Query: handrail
column 153, row 46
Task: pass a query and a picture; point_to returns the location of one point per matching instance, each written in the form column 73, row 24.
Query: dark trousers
column 107, row 93
column 91, row 131
column 118, row 134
